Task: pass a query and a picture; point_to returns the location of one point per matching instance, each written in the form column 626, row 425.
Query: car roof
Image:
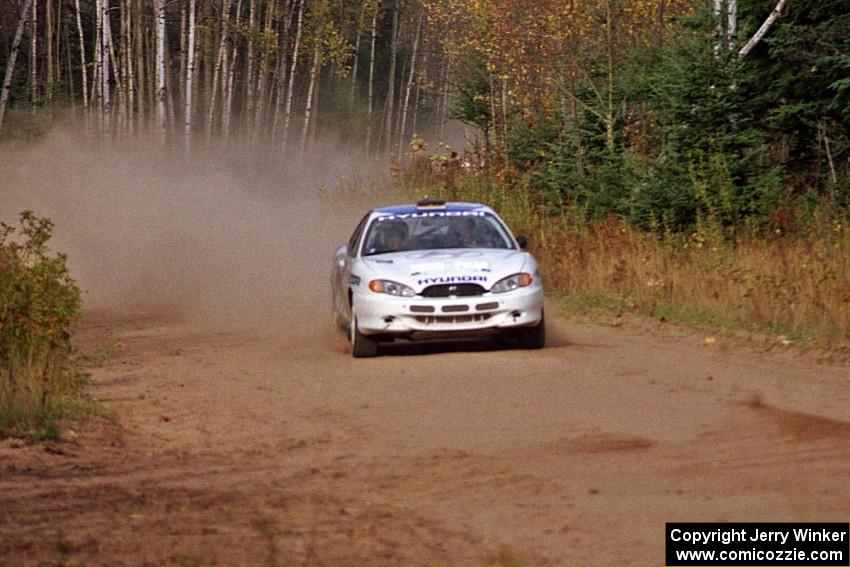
column 451, row 207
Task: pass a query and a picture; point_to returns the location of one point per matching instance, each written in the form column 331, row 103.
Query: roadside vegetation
column 39, row 304
column 795, row 283
column 680, row 160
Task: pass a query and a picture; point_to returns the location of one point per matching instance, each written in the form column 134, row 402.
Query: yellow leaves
column 533, row 46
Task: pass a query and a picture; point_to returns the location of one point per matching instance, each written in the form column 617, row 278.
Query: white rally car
column 435, row 270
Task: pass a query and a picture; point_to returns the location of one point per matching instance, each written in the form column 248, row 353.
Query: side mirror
column 522, row 241
column 340, row 255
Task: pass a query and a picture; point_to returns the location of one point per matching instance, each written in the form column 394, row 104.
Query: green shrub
column 39, row 303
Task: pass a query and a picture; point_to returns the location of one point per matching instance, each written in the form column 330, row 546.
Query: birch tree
column 291, row 85
column 105, row 98
column 34, row 56
column 230, row 74
column 388, row 115
column 267, row 38
column 281, row 80
column 48, row 52
column 405, row 106
column 763, row 29
column 370, row 98
column 222, row 53
column 160, row 69
column 190, row 76
column 249, row 72
column 314, row 70
column 13, row 56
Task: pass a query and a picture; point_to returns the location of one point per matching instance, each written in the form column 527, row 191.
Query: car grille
column 453, row 290
column 444, row 319
column 489, row 306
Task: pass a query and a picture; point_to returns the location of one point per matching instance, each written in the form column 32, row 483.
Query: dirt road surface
column 240, row 449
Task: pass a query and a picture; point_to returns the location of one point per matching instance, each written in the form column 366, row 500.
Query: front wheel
column 533, row 337
column 361, row 345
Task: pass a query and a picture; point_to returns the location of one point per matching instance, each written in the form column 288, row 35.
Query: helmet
column 391, row 234
column 392, row 228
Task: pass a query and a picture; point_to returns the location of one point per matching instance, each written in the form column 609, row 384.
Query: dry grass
column 789, row 284
column 794, row 284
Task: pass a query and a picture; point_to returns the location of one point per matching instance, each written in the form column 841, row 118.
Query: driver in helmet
column 393, row 234
column 464, row 233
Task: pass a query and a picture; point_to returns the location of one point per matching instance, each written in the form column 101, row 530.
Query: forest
column 655, row 111
column 270, row 72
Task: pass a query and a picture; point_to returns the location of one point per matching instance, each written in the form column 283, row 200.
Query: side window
column 355, row 238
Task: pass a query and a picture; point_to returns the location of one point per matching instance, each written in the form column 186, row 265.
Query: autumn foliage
column 39, row 303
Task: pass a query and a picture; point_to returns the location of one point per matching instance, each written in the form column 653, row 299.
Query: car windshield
column 435, row 230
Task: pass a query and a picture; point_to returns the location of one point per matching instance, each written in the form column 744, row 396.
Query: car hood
column 422, row 268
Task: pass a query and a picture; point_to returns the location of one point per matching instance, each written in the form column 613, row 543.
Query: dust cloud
column 237, row 237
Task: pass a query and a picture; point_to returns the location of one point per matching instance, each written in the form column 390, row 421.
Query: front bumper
column 379, row 313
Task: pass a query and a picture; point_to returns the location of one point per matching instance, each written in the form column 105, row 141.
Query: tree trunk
column 190, row 75
column 231, row 75
column 181, row 71
column 371, row 80
column 222, row 53
column 170, row 90
column 309, row 103
column 504, row 82
column 128, row 64
column 280, row 82
column 402, row 75
column 96, row 97
column 48, row 23
column 160, row 69
column 124, row 49
column 61, row 26
column 150, row 61
column 262, row 87
column 249, row 71
column 206, row 48
column 13, row 56
column 401, row 133
column 83, row 72
column 69, row 65
column 609, row 112
column 34, row 56
column 762, row 31
column 106, row 100
column 491, row 136
column 314, row 121
column 731, row 22
column 113, row 61
column 445, row 105
column 139, row 82
column 716, row 10
column 356, row 53
column 289, row 87
column 415, row 113
column 390, row 108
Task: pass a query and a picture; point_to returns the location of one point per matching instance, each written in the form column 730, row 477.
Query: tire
column 361, row 345
column 533, row 338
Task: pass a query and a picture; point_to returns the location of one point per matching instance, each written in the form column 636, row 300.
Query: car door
column 344, row 259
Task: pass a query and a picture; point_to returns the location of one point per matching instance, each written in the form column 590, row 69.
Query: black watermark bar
column 768, row 544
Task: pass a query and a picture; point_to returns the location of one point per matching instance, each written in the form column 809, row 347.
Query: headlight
column 391, row 288
column 511, row 283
